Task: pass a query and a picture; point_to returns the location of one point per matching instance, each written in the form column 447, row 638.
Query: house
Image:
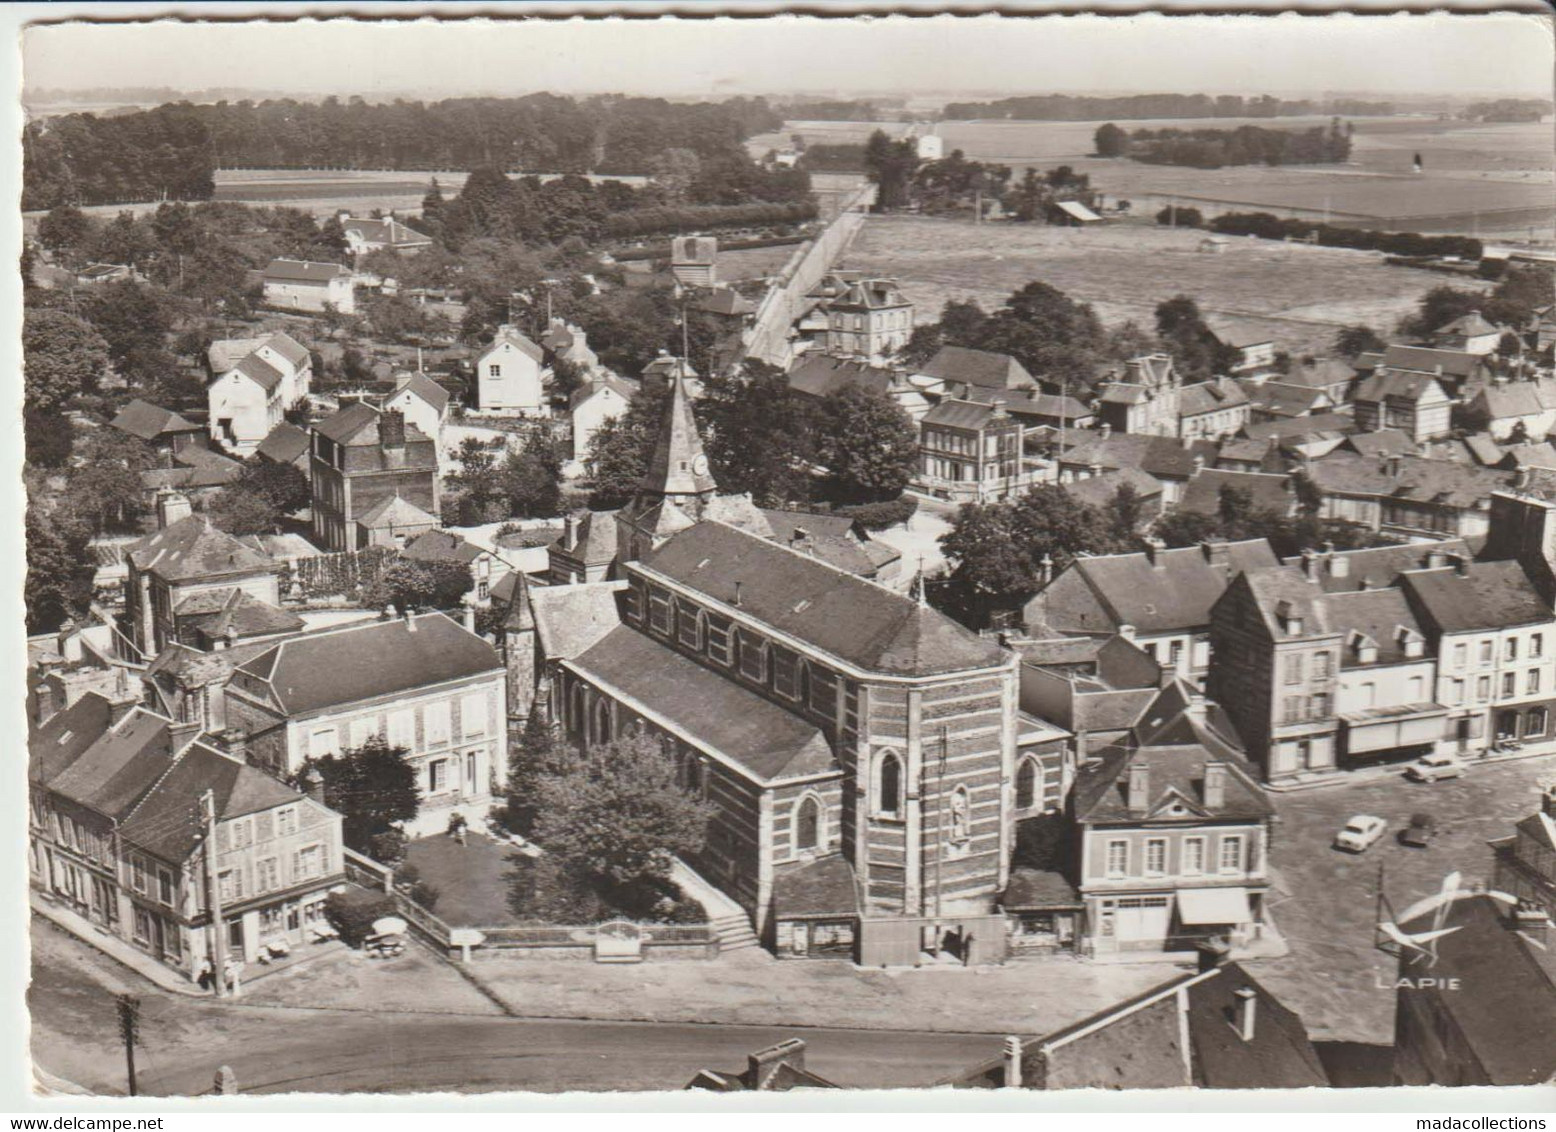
column 565, row 342
column 1174, row 836
column 871, row 319
column 603, row 399
column 838, row 541
column 971, row 452
column 434, row 688
column 819, row 375
column 1218, row 1028
column 163, row 430
column 285, row 444
column 1454, row 369
column 786, row 685
column 364, row 235
column 253, row 383
column 392, row 522
column 694, row 260
column 1408, row 496
column 1255, row 348
column 1268, row 492
column 1515, row 411
column 485, row 566
column 1144, row 398
column 1332, row 375
column 586, row 549
column 1099, row 491
column 1162, row 598
column 776, row 1069
column 361, row 457
column 1270, row 400
column 1469, row 333
column 1095, row 688
column 303, row 285
column 196, row 473
column 1171, row 461
column 509, row 376
column 955, row 366
column 1526, row 861
column 122, row 801
column 1075, row 214
column 726, row 304
column 424, row 404
column 1212, row 409
column 1477, row 1004
column 94, row 274
column 1411, row 403
column 1376, row 567
column 188, row 571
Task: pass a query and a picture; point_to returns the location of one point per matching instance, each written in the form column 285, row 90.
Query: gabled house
column 163, row 430
column 509, row 376
column 1454, row 369
column 819, row 375
column 1411, row 403
column 971, row 453
column 1513, row 411
column 1212, row 409
column 1408, row 496
column 1171, row 461
column 1270, row 492
column 363, row 457
column 485, row 566
column 603, row 399
column 562, row 340
column 955, row 366
column 1255, row 347
column 1470, row 333
column 424, row 404
column 871, row 319
column 367, row 234
column 252, row 384
column 1144, row 398
column 303, row 285
column 1272, row 400
column 285, row 444
column 1334, row 376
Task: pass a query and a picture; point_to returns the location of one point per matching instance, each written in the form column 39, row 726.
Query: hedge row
column 698, row 218
column 1271, row 227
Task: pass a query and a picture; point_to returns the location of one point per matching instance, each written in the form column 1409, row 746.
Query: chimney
column 1138, row 788
column 1196, row 706
column 124, row 698
column 998, row 409
column 67, row 642
column 313, row 785
column 1154, row 551
column 1309, row 564
column 1215, row 785
column 763, row 1064
column 1216, row 552
column 1104, row 430
column 570, row 532
column 737, row 595
column 1212, row 953
column 800, row 535
column 1339, row 566
column 229, row 637
column 234, row 743
column 1436, row 558
column 1187, row 442
column 1127, row 632
column 391, row 429
column 1247, row 1012
column 1012, row 1063
column 182, row 732
column 1045, row 571
column 171, row 507
column 1199, row 463
column 469, row 617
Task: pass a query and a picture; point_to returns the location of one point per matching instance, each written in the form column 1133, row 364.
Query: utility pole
column 129, row 1018
column 213, row 896
column 940, row 829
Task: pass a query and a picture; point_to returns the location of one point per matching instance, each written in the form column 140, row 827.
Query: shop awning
column 1214, row 906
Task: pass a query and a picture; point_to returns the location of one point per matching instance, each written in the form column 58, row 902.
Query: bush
column 1181, row 217
column 879, row 516
column 388, row 847
column 1270, row 227
column 353, row 912
column 407, row 879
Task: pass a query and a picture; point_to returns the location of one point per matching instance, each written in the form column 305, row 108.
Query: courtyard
column 473, row 879
column 1325, row 902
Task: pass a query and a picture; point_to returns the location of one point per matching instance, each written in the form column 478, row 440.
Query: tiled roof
column 1239, row 335
column 289, row 348
column 1177, row 594
column 821, row 374
column 677, row 464
column 261, row 372
column 285, row 444
column 1282, row 399
column 395, row 511
column 512, row 336
column 1377, row 614
column 1059, row 651
column 872, row 294
column 1376, row 566
column 823, row 887
column 1517, row 398
column 215, row 612
column 194, row 668
column 225, row 353
column 1076, row 210
column 569, row 620
column 1487, row 595
column 1299, row 428
column 1423, row 359
column 1160, row 456
column 1210, row 397
column 345, row 666
column 1280, row 1056
column 420, row 385
column 343, row 425
column 113, row 771
column 1266, row 491
column 1100, row 793
column 147, row 421
column 595, row 542
column 1396, row 385
column 978, row 367
column 854, row 620
column 1320, row 373
column 1384, row 442
column 1099, row 489
column 714, row 711
column 304, row 271
column 959, row 414
column 59, row 741
column 192, row 548
column 442, row 546
column 726, row 301
column 1470, row 325
column 163, row 822
column 1446, row 482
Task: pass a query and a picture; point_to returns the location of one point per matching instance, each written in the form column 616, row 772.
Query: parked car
column 1359, row 833
column 1430, row 768
column 1420, row 831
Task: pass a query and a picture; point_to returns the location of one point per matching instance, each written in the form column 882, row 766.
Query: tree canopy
column 373, row 787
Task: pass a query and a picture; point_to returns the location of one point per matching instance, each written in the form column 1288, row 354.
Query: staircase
column 731, row 926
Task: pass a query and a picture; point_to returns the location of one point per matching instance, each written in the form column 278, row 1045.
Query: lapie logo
column 1421, row 946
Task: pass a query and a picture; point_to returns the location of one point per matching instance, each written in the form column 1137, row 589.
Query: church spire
column 678, row 467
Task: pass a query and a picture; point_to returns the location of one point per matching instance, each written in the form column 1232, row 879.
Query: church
column 860, row 749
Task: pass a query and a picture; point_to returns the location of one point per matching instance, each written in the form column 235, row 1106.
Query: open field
column 1479, row 178
column 1299, row 293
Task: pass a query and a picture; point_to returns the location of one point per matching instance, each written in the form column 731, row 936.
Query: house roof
column 285, row 444
column 1239, row 335
column 420, row 385
column 620, row 386
column 1301, row 428
column 224, row 353
column 726, row 301
column 1280, row 1056
column 1384, row 442
column 978, row 367
column 1445, row 482
column 1173, row 772
column 1469, row 325
column 1059, row 651
column 1099, row 489
column 1500, row 401
column 1487, row 595
column 194, row 668
column 569, row 620
column 823, row 887
column 114, row 769
column 1505, row 1010
column 1341, row 570
column 1283, row 399
column 1424, row 359
column 261, row 372
column 859, row 622
column 442, row 546
column 1076, row 209
column 164, row 822
column 1267, row 491
column 1210, row 397
column 343, row 425
column 395, row 511
column 1320, row 373
column 289, row 348
column 192, row 548
column 1161, row 456
column 388, row 231
column 595, row 541
column 361, row 662
column 61, row 739
column 216, row 612
column 1380, row 615
column 871, row 294
column 1401, row 386
column 952, row 413
column 512, row 336
column 147, row 421
column 820, row 375
column 717, row 713
column 304, row 271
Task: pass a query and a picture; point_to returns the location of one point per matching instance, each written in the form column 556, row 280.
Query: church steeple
column 678, row 470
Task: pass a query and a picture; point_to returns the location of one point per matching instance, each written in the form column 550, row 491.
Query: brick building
column 361, row 458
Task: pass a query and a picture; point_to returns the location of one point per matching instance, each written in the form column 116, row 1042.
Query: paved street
column 278, row 1049
column 1329, row 898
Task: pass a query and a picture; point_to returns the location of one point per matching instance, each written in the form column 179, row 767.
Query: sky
column 1434, row 54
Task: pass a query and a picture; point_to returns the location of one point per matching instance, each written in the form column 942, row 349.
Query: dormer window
column 1364, row 648
column 1411, row 643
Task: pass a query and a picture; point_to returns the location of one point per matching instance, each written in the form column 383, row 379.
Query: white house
column 509, row 375
column 603, row 399
column 425, row 405
column 365, row 235
column 252, row 383
column 302, row 285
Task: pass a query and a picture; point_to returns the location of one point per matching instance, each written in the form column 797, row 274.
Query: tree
column 66, row 230
column 890, row 165
column 49, row 437
column 868, row 445
column 758, row 434
column 539, row 754
column 373, row 788
column 1352, row 341
column 132, row 318
column 412, row 584
column 105, row 484
column 1110, row 141
column 59, row 569
column 432, row 202
column 1196, row 352
column 617, row 814
column 284, row 486
column 674, row 172
column 62, row 356
column 620, row 449
column 479, row 476
column 240, row 512
column 532, row 478
column 1125, row 514
column 1439, row 307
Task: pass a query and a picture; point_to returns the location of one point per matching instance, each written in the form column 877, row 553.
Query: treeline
column 1270, row 227
column 1212, row 149
column 857, row 110
column 173, row 151
column 1509, row 110
column 1081, row 108
column 706, row 218
column 833, row 157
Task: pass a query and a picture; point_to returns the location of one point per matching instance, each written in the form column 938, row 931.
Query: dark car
column 1420, row 831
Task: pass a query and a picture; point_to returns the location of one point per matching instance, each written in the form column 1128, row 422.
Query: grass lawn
column 471, row 879
column 1300, row 294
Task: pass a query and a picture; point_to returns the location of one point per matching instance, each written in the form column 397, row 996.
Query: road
column 274, row 1050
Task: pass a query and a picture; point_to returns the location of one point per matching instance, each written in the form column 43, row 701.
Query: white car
column 1429, row 768
column 1359, row 833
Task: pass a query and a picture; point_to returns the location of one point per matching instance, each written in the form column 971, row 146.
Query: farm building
column 1077, row 214
column 302, row 285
